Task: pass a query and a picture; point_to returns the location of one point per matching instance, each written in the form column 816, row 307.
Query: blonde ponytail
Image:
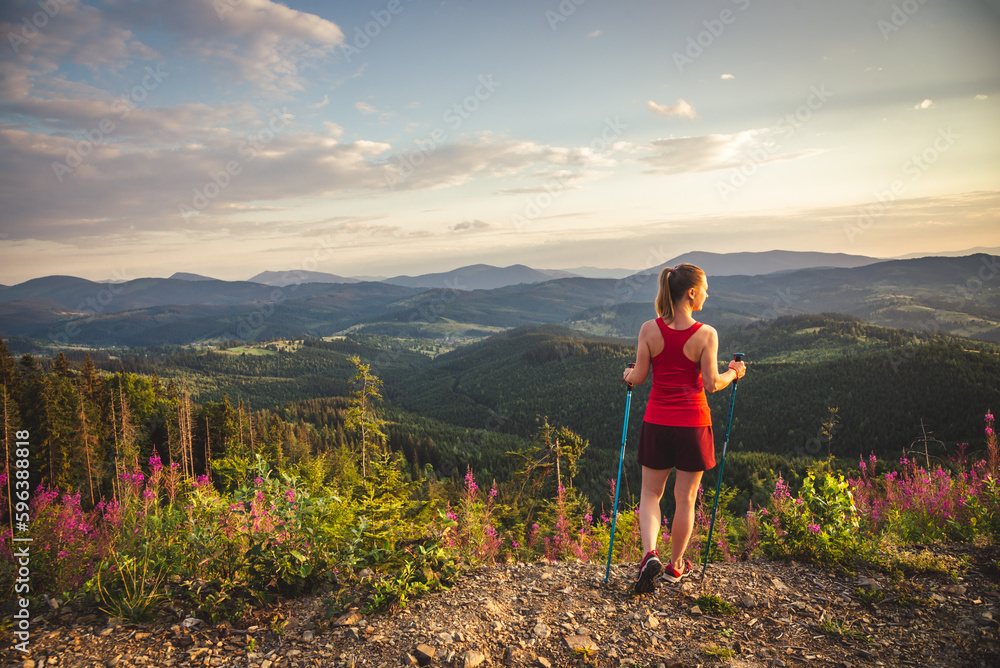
column 674, row 284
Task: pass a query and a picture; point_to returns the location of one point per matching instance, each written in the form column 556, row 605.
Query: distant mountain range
column 956, row 295
column 299, row 276
column 769, row 262
column 479, row 277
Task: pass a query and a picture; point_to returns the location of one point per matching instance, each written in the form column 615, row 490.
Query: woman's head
column 675, row 286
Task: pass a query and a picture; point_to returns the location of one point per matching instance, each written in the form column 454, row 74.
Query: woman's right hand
column 739, row 367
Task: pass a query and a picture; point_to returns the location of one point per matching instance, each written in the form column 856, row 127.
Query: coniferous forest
column 305, row 460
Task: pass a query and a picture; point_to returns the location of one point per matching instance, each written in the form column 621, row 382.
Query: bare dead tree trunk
column 86, row 445
column 116, row 480
column 208, row 450
column 253, row 449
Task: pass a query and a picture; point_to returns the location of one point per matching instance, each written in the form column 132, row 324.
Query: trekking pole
column 738, row 357
column 618, row 484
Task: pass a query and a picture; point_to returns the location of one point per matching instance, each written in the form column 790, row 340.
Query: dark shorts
column 684, row 448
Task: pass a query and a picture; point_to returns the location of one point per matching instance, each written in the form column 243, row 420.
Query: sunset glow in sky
column 229, row 137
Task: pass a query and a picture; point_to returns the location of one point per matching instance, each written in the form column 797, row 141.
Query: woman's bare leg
column 685, row 495
column 653, row 483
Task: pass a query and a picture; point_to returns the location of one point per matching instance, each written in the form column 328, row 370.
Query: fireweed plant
column 213, row 552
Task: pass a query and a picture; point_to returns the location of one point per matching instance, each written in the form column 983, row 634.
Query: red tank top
column 677, row 398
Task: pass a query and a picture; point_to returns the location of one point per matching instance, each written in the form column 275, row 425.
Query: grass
column 831, row 627
column 710, row 604
column 720, row 653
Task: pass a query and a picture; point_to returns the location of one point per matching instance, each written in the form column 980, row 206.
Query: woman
column 677, row 427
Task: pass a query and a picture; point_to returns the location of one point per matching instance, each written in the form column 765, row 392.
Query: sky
column 388, row 137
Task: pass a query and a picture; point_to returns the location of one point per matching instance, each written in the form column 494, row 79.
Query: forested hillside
column 817, row 386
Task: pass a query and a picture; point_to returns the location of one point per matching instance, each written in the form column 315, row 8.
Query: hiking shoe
column 671, row 574
column 649, row 568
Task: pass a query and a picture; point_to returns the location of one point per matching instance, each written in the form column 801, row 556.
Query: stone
column 956, row 590
column 424, row 653
column 307, row 636
column 541, row 631
column 544, row 663
column 409, row 659
column 695, row 610
column 748, row 601
column 778, row 584
column 580, row 644
column 472, row 659
column 111, row 663
column 687, row 588
column 652, row 622
column 446, row 638
column 868, row 583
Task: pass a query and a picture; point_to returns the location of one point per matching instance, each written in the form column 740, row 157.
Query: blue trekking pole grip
column 738, row 357
column 618, row 483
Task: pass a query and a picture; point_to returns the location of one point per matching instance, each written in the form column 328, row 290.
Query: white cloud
column 682, row 109
column 365, row 108
column 260, row 41
column 727, row 76
column 982, row 97
column 76, row 33
column 133, row 187
column 596, row 33
column 681, row 155
column 926, row 104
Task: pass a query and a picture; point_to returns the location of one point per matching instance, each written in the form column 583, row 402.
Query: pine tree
column 129, row 447
column 9, row 375
column 62, row 366
column 89, row 378
column 362, row 416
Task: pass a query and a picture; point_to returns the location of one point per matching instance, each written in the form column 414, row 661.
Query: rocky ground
column 563, row 614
